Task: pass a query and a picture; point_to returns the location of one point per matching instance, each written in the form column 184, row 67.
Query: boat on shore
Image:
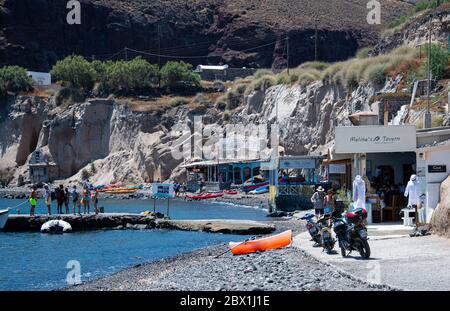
column 280, row 240
column 121, row 191
column 3, row 218
column 248, row 188
column 263, row 189
column 205, row 196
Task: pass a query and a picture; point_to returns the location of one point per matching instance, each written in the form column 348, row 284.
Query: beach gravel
column 285, row 269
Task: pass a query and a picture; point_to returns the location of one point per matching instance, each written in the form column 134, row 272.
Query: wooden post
column 154, row 205
column 168, row 204
column 386, row 113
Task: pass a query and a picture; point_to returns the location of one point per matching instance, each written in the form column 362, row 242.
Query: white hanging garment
column 359, row 192
column 412, row 191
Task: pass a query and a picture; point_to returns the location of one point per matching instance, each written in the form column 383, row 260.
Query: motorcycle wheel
column 364, row 250
column 343, row 252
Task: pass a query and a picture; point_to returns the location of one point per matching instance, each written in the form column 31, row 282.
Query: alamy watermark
column 74, row 275
column 374, row 15
column 74, row 15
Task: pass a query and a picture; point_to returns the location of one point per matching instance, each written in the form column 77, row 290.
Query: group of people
column 323, row 201
column 63, row 196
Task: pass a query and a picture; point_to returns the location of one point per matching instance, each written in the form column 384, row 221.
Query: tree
column 439, row 61
column 75, row 71
column 179, row 74
column 14, row 79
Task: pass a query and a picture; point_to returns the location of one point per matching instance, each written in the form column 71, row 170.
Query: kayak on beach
column 247, row 188
column 205, row 196
column 232, row 192
column 260, row 190
column 280, row 240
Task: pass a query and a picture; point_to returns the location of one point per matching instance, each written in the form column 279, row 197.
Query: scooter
column 313, row 228
column 326, row 235
column 351, row 232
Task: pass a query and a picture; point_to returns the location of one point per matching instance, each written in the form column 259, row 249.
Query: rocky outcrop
column 249, row 33
column 416, row 31
column 440, row 221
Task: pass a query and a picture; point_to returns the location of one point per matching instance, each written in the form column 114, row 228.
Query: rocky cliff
column 250, row 33
column 111, row 141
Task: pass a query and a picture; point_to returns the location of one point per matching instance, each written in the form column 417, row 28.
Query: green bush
column 75, row 71
column 128, row 76
column 262, row 72
column 431, row 4
column 221, row 102
column 261, row 84
column 178, row 101
column 179, row 75
column 283, row 79
column 376, row 74
column 363, row 53
column 14, row 79
column 320, row 66
column 439, row 61
column 68, row 96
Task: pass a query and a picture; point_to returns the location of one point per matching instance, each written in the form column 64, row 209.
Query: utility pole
column 315, row 42
column 159, row 54
column 287, row 47
column 427, row 115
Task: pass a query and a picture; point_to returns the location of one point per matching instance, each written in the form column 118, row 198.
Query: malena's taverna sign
column 373, row 139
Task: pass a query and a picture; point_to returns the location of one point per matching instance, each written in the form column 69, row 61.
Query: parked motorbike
column 313, row 228
column 327, row 240
column 351, row 232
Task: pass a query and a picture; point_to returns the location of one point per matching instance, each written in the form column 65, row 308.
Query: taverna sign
column 373, row 139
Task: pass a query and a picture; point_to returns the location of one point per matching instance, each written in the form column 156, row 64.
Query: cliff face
column 122, row 144
column 416, row 32
column 34, row 34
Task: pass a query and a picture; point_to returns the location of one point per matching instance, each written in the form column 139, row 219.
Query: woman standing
column 329, row 202
column 86, row 200
column 32, row 199
column 48, row 199
column 95, row 201
column 66, row 199
column 318, row 200
column 75, row 200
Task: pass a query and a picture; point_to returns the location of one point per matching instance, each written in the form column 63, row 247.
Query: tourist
column 318, row 199
column 59, row 193
column 86, row 200
column 48, row 199
column 176, row 188
column 32, row 199
column 75, row 200
column 66, row 199
column 95, row 201
column 329, row 202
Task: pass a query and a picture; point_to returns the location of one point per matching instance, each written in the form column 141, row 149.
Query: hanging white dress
column 359, row 192
column 412, row 191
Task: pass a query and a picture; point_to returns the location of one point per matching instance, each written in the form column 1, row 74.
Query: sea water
column 35, row 261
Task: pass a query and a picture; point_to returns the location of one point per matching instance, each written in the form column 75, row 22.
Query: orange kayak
column 280, row 240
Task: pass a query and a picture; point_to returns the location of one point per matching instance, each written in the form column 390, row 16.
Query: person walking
column 318, row 199
column 329, row 202
column 86, row 200
column 33, row 200
column 95, row 201
column 66, row 199
column 48, row 199
column 75, row 200
column 59, row 194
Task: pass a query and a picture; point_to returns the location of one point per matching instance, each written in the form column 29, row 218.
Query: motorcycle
column 351, row 232
column 313, row 228
column 327, row 240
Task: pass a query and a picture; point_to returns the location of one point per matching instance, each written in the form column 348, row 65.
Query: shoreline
column 198, row 270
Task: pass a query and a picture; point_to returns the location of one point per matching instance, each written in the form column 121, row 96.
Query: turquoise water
column 35, row 261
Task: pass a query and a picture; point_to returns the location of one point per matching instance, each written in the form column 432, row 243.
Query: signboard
column 337, row 169
column 40, row 78
column 437, row 168
column 373, row 139
column 163, row 191
column 297, row 163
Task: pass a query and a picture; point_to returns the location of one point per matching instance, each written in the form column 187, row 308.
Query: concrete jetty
column 122, row 221
column 230, row 226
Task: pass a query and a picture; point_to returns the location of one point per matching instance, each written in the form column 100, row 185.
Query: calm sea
column 35, row 261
